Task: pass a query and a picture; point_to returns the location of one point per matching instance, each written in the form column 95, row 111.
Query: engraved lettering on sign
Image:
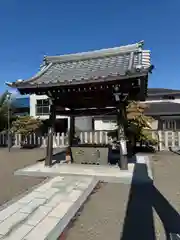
column 80, row 152
column 96, row 153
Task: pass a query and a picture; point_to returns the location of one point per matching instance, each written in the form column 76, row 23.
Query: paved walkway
column 43, row 213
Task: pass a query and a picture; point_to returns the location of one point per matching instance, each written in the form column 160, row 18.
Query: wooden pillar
column 49, row 148
column 71, row 130
column 121, row 119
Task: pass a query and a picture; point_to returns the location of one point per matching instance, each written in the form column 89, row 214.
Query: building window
column 169, row 125
column 109, row 121
column 42, row 107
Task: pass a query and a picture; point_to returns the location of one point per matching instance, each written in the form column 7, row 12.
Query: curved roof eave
column 35, row 77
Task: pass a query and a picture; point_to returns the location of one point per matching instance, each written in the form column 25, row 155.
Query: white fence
column 59, row 140
column 166, row 139
column 97, row 137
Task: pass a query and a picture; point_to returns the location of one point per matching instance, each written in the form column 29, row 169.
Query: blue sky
column 33, row 28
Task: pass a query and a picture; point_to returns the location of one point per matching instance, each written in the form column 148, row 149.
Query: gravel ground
column 101, row 218
column 118, row 211
column 10, row 185
column 166, row 167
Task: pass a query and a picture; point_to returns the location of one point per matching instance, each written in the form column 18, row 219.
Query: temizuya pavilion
column 88, row 83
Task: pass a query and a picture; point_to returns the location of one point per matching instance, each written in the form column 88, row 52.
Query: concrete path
column 45, row 212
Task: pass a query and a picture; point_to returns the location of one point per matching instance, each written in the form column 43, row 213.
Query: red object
column 68, row 155
column 68, row 151
column 62, row 236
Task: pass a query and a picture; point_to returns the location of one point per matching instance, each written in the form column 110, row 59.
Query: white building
column 39, row 107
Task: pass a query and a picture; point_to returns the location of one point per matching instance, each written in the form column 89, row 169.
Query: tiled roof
column 162, row 108
column 161, row 91
column 92, row 66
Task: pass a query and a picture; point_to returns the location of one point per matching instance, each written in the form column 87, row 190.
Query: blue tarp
column 21, row 102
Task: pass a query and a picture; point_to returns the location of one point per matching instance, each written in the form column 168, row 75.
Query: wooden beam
column 124, row 158
column 99, row 99
column 124, row 81
column 73, row 101
column 71, row 130
column 87, row 112
column 49, row 148
column 87, row 105
column 121, row 119
column 129, row 83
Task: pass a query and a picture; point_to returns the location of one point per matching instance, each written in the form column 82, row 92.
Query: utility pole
column 9, row 123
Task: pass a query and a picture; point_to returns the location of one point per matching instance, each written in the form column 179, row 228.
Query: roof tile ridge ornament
column 101, row 53
column 139, row 67
column 141, row 44
column 44, row 63
column 151, row 68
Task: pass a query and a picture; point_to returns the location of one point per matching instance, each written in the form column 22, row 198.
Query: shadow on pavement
column 57, row 157
column 143, row 197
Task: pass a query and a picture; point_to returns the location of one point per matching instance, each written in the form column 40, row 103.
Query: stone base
column 104, row 173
